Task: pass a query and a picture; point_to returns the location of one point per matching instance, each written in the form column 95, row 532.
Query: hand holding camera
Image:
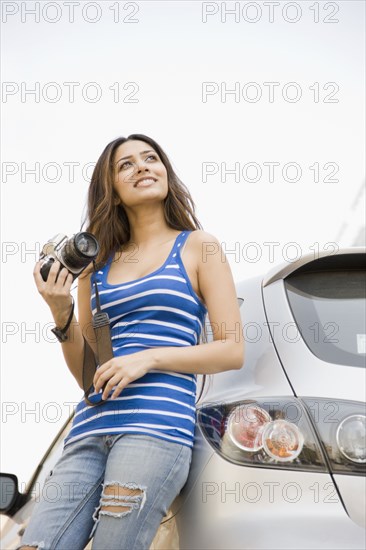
column 55, row 290
column 61, row 262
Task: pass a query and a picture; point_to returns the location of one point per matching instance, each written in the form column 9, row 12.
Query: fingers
column 120, row 386
column 102, row 379
column 111, row 383
column 56, row 289
column 68, row 282
column 63, row 277
column 37, row 275
column 54, row 275
column 99, row 380
column 109, row 375
column 57, row 277
column 117, row 383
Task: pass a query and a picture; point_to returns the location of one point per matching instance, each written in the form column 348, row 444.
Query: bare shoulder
column 214, row 273
column 200, row 236
column 201, row 240
column 206, row 247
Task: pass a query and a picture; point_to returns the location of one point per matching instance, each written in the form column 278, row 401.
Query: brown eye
column 122, row 166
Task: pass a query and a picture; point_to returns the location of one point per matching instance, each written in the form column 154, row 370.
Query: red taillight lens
column 244, row 426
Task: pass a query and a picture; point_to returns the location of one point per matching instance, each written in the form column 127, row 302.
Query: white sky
column 168, row 53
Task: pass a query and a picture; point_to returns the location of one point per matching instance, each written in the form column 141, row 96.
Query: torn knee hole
column 120, row 499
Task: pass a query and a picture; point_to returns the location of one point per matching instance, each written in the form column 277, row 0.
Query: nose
column 140, row 164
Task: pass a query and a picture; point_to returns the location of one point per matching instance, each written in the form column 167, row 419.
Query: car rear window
column 329, row 308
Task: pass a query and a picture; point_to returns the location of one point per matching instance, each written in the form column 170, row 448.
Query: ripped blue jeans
column 114, row 488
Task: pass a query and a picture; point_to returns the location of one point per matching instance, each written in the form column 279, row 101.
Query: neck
column 148, row 225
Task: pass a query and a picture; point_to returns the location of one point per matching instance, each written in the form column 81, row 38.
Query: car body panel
column 14, row 526
column 353, row 492
column 232, row 506
column 262, row 369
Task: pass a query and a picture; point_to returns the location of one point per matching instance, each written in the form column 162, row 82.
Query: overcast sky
column 261, row 112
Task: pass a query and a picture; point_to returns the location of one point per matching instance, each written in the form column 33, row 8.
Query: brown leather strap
column 89, row 368
column 105, row 353
column 104, row 345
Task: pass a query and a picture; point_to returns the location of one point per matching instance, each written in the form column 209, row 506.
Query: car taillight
column 341, row 426
column 245, row 424
column 271, row 433
column 282, row 440
column 351, row 438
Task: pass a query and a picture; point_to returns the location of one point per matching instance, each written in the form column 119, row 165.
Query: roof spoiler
column 327, row 259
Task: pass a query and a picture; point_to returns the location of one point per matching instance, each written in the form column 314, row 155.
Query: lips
column 145, row 182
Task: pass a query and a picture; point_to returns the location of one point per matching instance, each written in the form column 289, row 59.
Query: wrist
column 60, row 331
column 152, row 356
column 61, row 314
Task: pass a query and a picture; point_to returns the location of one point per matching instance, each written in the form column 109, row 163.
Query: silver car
column 280, row 452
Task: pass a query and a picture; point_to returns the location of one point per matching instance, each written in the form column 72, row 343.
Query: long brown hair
column 107, row 219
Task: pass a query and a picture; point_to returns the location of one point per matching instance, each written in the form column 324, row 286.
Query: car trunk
column 317, row 317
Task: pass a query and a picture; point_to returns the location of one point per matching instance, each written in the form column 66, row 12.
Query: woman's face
column 140, row 175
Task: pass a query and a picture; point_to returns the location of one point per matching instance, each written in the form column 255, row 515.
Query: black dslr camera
column 74, row 253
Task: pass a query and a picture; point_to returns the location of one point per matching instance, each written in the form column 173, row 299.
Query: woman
column 158, row 275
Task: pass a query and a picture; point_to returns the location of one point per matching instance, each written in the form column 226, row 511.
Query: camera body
column 74, row 253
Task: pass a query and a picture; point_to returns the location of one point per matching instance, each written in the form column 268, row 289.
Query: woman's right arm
column 57, row 295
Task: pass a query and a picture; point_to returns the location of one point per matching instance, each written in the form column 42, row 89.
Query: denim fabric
column 80, row 480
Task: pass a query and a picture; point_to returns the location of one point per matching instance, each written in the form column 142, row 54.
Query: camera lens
column 79, row 251
column 86, row 244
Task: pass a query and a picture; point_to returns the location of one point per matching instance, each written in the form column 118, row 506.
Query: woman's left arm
column 225, row 352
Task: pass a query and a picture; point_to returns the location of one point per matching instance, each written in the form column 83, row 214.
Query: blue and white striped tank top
column 160, row 309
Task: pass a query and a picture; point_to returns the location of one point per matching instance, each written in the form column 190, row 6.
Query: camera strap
column 104, row 346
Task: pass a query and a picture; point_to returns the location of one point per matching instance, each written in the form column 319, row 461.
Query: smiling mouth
column 145, row 182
